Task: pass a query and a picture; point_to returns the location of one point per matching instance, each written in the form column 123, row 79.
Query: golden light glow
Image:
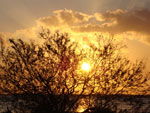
column 80, row 109
column 85, row 66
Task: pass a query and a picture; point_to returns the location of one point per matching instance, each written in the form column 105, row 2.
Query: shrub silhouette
column 51, row 70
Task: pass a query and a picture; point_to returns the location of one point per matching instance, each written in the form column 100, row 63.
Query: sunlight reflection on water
column 80, row 109
column 82, row 105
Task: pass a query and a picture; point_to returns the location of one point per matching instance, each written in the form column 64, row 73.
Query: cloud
column 118, row 22
column 134, row 20
column 87, row 28
column 4, row 39
column 64, row 17
column 29, row 34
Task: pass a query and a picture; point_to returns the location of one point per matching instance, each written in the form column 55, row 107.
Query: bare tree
column 113, row 74
column 51, row 69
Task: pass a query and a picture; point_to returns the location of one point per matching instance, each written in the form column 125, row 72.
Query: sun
column 85, row 66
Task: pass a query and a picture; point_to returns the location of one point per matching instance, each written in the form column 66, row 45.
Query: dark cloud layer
column 120, row 21
column 117, row 21
column 135, row 20
column 132, row 22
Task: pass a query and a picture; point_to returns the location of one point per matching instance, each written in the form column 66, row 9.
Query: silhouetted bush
column 52, row 69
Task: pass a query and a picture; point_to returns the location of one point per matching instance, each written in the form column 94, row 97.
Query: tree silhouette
column 51, row 70
column 113, row 74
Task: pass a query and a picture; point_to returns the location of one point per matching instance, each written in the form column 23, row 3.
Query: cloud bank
column 116, row 21
column 133, row 24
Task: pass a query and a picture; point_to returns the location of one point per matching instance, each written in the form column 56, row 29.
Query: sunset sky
column 127, row 20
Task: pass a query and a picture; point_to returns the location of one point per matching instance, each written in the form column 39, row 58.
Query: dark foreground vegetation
column 24, row 103
column 52, row 70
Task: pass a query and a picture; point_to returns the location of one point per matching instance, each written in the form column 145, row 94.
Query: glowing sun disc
column 85, row 66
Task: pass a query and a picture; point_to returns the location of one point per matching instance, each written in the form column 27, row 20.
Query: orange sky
column 127, row 20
